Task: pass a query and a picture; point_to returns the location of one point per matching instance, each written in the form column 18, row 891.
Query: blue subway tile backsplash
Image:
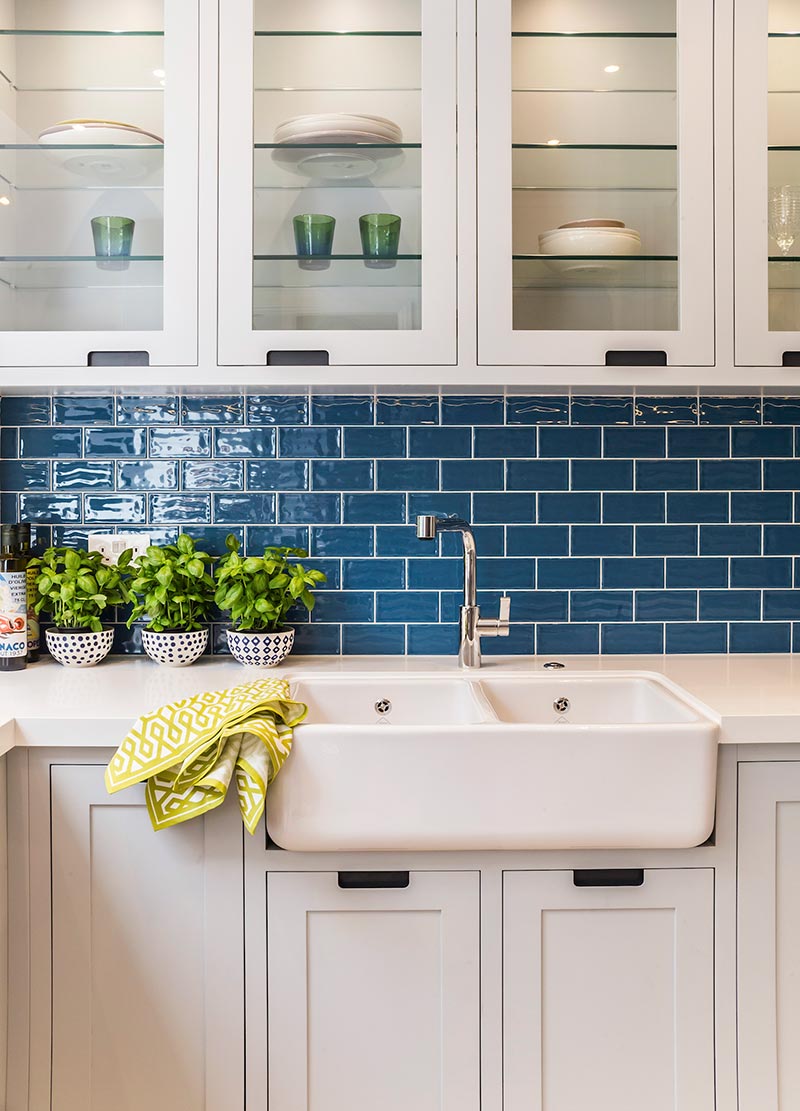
column 618, row 525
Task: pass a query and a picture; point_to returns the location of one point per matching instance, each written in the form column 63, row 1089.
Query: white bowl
column 590, row 241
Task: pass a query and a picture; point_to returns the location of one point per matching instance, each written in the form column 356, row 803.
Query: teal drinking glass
column 113, row 238
column 380, row 238
column 313, row 237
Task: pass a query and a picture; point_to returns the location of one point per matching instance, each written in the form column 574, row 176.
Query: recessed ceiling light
column 5, row 200
column 554, row 142
column 613, row 69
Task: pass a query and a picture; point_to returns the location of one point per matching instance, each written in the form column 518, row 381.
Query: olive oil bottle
column 13, row 601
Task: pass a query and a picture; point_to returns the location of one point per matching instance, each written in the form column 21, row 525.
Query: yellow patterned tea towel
column 189, row 751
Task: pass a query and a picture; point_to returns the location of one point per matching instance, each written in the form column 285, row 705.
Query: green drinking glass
column 113, row 238
column 313, row 237
column 380, row 238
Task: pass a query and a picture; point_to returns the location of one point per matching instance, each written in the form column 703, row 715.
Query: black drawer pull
column 118, row 358
column 367, row 881
column 791, row 358
column 636, row 358
column 608, row 877
column 298, row 358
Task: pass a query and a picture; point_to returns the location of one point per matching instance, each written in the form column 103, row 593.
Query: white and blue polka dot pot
column 260, row 649
column 175, row 649
column 79, row 649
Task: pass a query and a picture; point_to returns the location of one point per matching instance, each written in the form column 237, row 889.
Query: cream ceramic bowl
column 590, row 241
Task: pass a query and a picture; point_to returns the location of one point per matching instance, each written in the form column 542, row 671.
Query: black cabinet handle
column 608, row 877
column 791, row 358
column 636, row 358
column 118, row 358
column 367, row 881
column 298, row 358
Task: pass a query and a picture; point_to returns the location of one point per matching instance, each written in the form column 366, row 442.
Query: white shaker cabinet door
column 608, row 992
column 768, row 930
column 373, row 992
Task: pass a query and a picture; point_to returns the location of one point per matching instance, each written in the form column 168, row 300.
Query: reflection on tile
column 147, row 474
column 602, row 410
column 537, row 410
column 83, row 410
column 21, row 475
column 176, row 442
column 667, row 410
column 25, row 410
column 166, row 508
column 213, row 474
column 115, row 441
column 119, row 509
column 49, row 443
column 332, row 409
column 279, row 474
column 251, row 509
column 472, row 409
column 83, row 475
column 212, row 410
column 407, row 410
column 245, row 443
column 730, row 410
column 147, row 410
column 284, row 409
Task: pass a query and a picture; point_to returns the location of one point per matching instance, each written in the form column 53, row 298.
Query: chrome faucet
column 472, row 625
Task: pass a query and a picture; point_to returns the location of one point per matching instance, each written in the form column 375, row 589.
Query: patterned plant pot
column 79, row 648
column 175, row 649
column 260, row 649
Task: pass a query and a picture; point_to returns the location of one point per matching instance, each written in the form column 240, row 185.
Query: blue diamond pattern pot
column 260, row 649
column 79, row 648
column 177, row 649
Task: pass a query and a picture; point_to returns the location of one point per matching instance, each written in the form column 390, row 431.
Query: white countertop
column 756, row 698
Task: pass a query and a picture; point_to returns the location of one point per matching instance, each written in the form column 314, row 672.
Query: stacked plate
column 368, row 141
column 589, row 237
column 97, row 133
column 338, row 127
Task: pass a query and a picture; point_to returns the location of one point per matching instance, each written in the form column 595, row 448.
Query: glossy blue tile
column 278, row 474
column 705, row 571
column 666, row 540
column 9, row 443
column 528, row 605
column 519, row 642
column 602, row 474
column 730, row 540
column 30, row 475
column 633, row 574
column 432, row 640
column 472, row 409
column 781, row 605
column 346, row 605
column 730, row 410
column 634, row 443
column 783, row 474
column 407, row 605
column 505, row 443
column 308, row 509
column 699, row 508
column 373, row 574
column 25, row 410
column 602, row 410
column 368, row 509
column 534, row 409
column 601, row 605
column 509, row 509
column 309, row 443
column 695, row 638
column 666, row 605
column 317, row 640
column 212, row 410
column 670, row 474
column 636, row 508
column 9, row 507
column 443, row 505
column 568, row 574
column 180, row 508
column 698, row 443
column 568, row 640
column 556, row 509
column 403, row 474
column 597, row 540
column 537, row 540
column 630, row 640
column 666, row 410
column 83, row 410
column 763, row 442
column 259, row 537
column 64, row 536
column 435, row 574
column 118, row 509
column 342, row 540
column 761, row 507
column 506, row 574
column 781, row 540
column 374, row 443
column 730, row 605
column 277, row 409
column 406, row 409
column 249, row 509
column 78, row 475
column 760, row 636
column 342, row 409
column 782, row 410
column 472, row 474
column 351, row 474
column 144, row 474
column 38, row 442
column 730, row 474
column 245, row 443
column 175, row 443
column 761, row 571
column 373, row 640
column 570, row 443
column 401, row 540
column 537, row 474
column 490, row 540
column 147, row 410
column 213, row 474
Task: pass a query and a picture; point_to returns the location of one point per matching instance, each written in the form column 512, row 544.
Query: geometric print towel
column 190, row 751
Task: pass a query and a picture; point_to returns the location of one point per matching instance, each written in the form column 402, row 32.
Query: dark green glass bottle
column 25, row 551
column 13, row 602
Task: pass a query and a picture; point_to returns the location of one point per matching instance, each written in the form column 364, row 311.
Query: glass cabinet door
column 337, row 181
column 595, row 179
column 98, row 181
column 767, row 193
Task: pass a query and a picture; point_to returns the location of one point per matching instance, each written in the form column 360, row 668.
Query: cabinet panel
column 608, row 993
column 373, row 994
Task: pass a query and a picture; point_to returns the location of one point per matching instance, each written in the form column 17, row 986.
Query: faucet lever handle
column 504, row 616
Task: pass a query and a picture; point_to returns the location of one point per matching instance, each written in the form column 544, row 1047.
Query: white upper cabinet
column 595, row 110
column 98, row 181
column 767, row 146
column 374, row 85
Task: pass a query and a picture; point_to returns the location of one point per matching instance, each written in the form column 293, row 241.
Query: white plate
column 338, row 137
column 336, row 165
column 90, row 134
column 316, row 119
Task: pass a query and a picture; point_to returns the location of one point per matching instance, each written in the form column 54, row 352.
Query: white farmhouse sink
column 622, row 761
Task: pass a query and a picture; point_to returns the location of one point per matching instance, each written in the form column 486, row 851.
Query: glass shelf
column 338, row 34
column 784, row 35
column 33, row 166
column 614, row 272
column 33, row 272
column 338, row 146
column 401, row 171
column 85, row 34
column 595, row 146
column 283, row 272
column 593, row 35
column 594, row 169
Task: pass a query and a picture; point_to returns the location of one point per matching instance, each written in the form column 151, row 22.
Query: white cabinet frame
column 435, row 342
column 692, row 344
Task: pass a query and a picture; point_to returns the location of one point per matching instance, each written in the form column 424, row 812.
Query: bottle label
column 33, row 620
column 13, row 614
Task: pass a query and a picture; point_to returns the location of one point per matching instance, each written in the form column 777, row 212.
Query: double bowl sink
column 578, row 761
